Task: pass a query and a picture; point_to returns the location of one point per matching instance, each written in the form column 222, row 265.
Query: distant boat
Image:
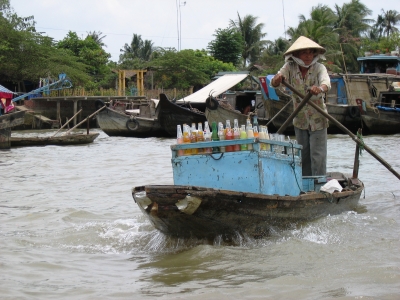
column 172, row 114
column 381, row 113
column 8, row 121
column 218, row 110
column 61, row 140
column 138, row 118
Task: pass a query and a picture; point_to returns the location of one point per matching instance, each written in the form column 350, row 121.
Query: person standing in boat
column 304, row 73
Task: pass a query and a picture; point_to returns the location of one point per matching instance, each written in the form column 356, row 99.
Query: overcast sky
column 158, row 20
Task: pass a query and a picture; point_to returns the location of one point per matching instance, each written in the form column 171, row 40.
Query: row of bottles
column 187, row 134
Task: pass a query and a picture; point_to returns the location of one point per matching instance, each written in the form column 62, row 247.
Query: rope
column 222, row 154
column 292, row 165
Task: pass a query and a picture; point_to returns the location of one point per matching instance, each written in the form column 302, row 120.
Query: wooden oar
column 66, row 123
column 295, row 112
column 277, row 114
column 338, row 124
column 96, row 112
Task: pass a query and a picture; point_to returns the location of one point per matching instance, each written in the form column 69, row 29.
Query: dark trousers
column 314, row 152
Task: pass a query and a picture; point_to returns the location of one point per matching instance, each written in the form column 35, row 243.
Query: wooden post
column 96, row 112
column 59, row 112
column 75, row 109
column 66, row 123
column 356, row 158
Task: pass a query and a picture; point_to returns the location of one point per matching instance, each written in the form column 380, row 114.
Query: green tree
column 26, row 55
column 89, row 52
column 252, row 37
column 185, row 68
column 137, row 54
column 352, row 20
column 390, row 19
column 97, row 37
column 227, row 46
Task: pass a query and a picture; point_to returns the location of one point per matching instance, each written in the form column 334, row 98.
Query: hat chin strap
column 301, row 63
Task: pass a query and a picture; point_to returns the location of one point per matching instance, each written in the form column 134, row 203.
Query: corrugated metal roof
column 5, row 90
column 215, row 88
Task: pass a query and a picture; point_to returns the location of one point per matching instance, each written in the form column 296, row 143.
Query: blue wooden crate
column 313, row 183
column 256, row 171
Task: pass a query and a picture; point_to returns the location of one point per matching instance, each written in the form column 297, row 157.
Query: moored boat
column 223, row 109
column 211, row 197
column 61, row 140
column 172, row 114
column 7, row 121
column 381, row 112
column 131, row 119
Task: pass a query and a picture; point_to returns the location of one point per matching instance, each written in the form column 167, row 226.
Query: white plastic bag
column 331, row 186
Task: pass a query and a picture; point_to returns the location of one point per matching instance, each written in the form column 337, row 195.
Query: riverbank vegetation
column 346, row 31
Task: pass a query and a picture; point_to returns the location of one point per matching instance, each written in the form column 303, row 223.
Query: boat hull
column 62, row 140
column 115, row 123
column 381, row 122
column 8, row 121
column 171, row 115
column 215, row 112
column 191, row 211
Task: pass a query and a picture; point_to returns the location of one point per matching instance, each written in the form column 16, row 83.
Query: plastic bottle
column 200, row 137
column 250, row 133
column 228, row 135
column 262, row 136
column 255, row 123
column 214, row 137
column 193, row 138
column 186, row 139
column 207, row 137
column 267, row 137
column 255, row 132
column 243, row 135
column 179, row 138
column 236, row 134
column 221, row 135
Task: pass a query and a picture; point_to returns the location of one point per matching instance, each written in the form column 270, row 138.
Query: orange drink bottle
column 186, row 139
column 200, row 137
column 193, row 138
column 236, row 134
column 228, row 135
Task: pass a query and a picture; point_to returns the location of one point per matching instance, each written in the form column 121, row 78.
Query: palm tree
column 96, row 36
column 252, row 37
column 390, row 19
column 352, row 20
column 138, row 49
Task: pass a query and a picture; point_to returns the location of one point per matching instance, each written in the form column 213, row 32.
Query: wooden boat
column 61, row 140
column 218, row 110
column 381, row 113
column 172, row 114
column 382, row 119
column 131, row 119
column 210, row 198
column 8, row 121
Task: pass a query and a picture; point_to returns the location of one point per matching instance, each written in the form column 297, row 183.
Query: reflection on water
column 71, row 229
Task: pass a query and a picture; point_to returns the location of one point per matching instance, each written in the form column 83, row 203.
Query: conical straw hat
column 304, row 43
